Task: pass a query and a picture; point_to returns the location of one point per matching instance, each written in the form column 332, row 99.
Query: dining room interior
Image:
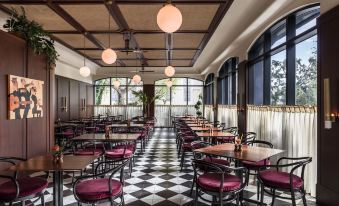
column 169, row 102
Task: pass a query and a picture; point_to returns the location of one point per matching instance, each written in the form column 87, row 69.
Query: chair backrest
column 249, row 136
column 259, row 143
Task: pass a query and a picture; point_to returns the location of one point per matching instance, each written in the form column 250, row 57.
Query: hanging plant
column 36, row 37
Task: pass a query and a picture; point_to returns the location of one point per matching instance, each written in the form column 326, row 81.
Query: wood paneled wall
column 74, row 92
column 328, row 139
column 26, row 137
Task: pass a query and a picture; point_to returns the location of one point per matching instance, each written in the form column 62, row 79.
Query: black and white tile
column 157, row 179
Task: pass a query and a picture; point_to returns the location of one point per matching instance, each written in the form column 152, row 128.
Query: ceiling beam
column 143, row 49
column 133, row 31
column 122, row 23
column 117, row 1
column 151, row 59
column 222, row 10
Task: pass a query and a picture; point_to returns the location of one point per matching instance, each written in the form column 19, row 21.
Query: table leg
column 58, row 188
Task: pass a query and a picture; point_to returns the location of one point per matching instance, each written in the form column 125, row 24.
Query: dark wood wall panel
column 74, row 91
column 242, row 99
column 328, row 141
column 149, row 91
column 26, row 137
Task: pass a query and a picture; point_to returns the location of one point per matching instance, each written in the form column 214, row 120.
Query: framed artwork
column 25, row 97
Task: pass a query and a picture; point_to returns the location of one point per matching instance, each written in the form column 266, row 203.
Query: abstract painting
column 25, row 97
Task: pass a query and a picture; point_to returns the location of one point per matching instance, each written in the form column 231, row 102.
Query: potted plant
column 197, row 106
column 36, row 37
column 147, row 101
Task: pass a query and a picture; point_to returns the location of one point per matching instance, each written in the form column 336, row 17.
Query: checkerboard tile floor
column 157, row 179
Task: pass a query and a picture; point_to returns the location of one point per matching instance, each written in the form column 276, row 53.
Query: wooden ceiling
column 70, row 20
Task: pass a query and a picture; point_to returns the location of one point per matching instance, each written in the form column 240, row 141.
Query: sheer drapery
column 228, row 114
column 115, row 110
column 209, row 113
column 291, row 128
column 163, row 113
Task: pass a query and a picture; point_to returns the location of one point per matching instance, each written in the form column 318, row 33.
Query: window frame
column 290, row 46
column 227, row 77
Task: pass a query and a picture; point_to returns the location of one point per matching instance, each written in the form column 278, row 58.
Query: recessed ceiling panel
column 125, row 55
column 155, row 54
column 94, row 54
column 183, row 54
column 141, row 16
column 157, row 63
column 117, row 40
column 197, row 17
column 187, row 40
column 132, row 63
column 151, row 40
column 44, row 16
column 75, row 40
column 92, row 16
column 181, row 63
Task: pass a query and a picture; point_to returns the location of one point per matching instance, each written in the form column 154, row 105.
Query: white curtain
column 291, row 128
column 162, row 114
column 209, row 113
column 228, row 114
column 114, row 110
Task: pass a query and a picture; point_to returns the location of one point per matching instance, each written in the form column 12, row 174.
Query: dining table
column 46, row 163
column 205, row 129
column 248, row 153
column 113, row 137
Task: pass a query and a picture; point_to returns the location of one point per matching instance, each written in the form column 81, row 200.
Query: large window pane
column 164, row 93
column 278, row 78
column 256, row 83
column 123, row 81
column 257, row 48
column 119, row 95
column 102, row 95
column 132, row 100
column 179, row 95
column 306, row 19
column 278, row 34
column 102, row 82
column 179, row 81
column 306, row 72
column 195, row 82
column 193, row 94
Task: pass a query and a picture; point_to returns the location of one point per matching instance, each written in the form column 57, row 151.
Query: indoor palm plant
column 36, row 37
column 146, row 100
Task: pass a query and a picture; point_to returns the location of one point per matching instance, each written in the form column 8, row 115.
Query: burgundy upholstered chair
column 232, row 130
column 89, row 190
column 20, row 188
column 216, row 180
column 284, row 181
column 187, row 148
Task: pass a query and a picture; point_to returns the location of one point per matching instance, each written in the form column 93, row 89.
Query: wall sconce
column 64, row 104
column 83, row 104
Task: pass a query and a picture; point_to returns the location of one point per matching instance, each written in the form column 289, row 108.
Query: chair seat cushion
column 255, row 165
column 89, row 151
column 211, row 181
column 119, row 153
column 97, row 189
column 217, row 160
column 281, row 180
column 27, row 186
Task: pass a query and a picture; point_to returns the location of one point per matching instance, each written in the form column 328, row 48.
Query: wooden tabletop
column 112, row 137
column 46, row 163
column 125, row 125
column 253, row 154
column 214, row 134
column 195, row 124
column 204, row 129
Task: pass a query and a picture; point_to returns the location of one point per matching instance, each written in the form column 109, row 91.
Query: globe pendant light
column 85, row 71
column 109, row 56
column 169, row 18
column 169, row 83
column 116, row 83
column 169, row 71
column 136, row 79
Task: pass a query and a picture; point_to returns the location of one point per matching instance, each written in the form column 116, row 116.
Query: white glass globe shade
column 136, row 78
column 169, row 71
column 169, row 18
column 116, row 84
column 109, row 56
column 169, row 83
column 85, row 71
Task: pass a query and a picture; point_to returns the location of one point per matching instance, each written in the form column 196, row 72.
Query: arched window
column 228, row 82
column 208, row 89
column 283, row 61
column 106, row 94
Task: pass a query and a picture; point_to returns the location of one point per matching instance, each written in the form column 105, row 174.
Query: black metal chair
column 89, row 190
column 20, row 188
column 284, row 181
column 218, row 182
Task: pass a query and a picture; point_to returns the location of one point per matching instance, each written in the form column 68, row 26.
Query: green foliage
column 197, row 106
column 146, row 100
column 37, row 38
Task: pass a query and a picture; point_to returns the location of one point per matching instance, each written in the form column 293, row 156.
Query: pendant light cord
column 109, row 28
column 84, row 51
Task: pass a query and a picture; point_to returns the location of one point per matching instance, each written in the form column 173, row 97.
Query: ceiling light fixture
column 85, row 71
column 109, row 56
column 169, row 18
column 136, row 79
column 169, row 83
column 116, row 83
column 169, row 71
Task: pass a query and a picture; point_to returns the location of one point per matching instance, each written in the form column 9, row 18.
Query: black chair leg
column 258, row 189
column 304, row 198
column 273, row 197
column 293, row 198
column 194, row 178
column 42, row 199
column 182, row 160
column 262, row 195
column 196, row 196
